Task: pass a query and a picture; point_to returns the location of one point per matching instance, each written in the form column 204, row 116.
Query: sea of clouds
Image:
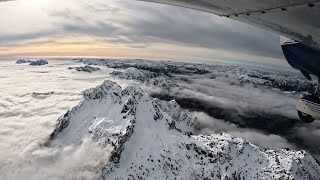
column 31, row 101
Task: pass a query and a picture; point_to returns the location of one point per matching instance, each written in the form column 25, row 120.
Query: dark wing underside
column 295, row 19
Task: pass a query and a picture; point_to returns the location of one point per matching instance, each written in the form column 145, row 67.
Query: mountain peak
column 106, row 89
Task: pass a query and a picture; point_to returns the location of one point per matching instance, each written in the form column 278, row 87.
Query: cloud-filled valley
column 247, row 110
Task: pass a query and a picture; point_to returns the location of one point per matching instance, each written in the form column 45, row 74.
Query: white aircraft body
column 294, row 19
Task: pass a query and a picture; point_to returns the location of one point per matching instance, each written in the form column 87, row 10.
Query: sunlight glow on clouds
column 116, row 28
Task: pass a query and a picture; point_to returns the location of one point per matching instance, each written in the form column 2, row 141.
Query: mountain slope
column 153, row 139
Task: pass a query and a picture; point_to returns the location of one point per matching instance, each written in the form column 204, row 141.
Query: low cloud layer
column 71, row 162
column 27, row 120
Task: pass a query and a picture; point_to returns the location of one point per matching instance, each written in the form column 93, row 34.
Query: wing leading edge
column 295, row 19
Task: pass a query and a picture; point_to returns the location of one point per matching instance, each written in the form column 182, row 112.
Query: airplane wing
column 295, row 19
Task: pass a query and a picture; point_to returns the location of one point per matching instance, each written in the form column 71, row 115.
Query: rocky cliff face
column 153, row 139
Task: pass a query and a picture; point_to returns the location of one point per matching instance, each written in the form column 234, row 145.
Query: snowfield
column 153, row 139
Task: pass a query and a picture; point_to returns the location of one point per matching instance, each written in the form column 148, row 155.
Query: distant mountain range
column 292, row 83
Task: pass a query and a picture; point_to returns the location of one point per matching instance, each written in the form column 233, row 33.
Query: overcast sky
column 128, row 28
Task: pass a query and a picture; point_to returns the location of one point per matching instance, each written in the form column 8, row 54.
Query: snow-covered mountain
column 86, row 68
column 153, row 139
column 136, row 74
column 22, row 61
column 40, row 62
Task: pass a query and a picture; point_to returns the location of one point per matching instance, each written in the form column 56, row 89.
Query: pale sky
column 129, row 29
